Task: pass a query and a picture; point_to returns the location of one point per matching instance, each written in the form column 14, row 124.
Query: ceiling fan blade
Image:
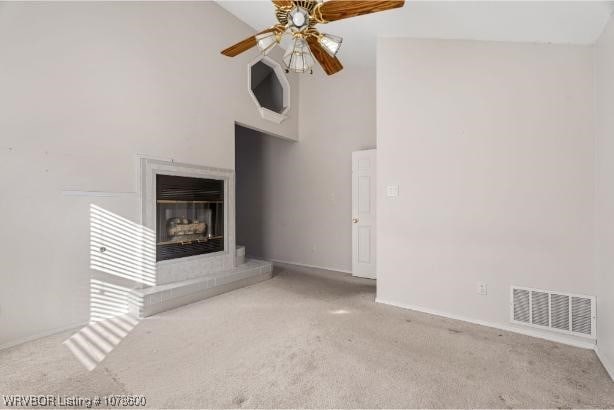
column 330, row 64
column 333, row 10
column 244, row 45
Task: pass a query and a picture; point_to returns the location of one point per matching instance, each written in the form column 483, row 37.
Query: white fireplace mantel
column 191, row 267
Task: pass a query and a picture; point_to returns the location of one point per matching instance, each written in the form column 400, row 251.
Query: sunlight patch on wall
column 110, row 322
column 108, row 300
column 121, row 247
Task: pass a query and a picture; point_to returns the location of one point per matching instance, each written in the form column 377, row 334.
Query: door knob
column 355, row 220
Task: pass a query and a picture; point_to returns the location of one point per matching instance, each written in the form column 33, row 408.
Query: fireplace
column 195, row 195
column 191, row 209
column 189, row 216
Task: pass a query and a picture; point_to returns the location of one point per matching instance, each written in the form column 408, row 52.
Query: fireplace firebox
column 189, row 216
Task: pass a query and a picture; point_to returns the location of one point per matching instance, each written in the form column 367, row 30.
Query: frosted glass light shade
column 330, row 43
column 287, row 40
column 299, row 58
column 266, row 42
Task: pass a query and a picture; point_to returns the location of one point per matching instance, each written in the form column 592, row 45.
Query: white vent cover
column 561, row 312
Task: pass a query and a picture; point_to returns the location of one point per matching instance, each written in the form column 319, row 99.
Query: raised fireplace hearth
column 189, row 216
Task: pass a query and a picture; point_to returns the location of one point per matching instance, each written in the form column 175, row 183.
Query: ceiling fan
column 296, row 33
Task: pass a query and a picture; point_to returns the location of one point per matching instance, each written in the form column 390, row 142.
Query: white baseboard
column 508, row 328
column 304, row 265
column 40, row 335
column 607, row 364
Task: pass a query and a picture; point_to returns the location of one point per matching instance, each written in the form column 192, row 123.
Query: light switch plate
column 392, row 190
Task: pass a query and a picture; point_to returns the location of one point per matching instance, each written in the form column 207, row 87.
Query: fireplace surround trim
column 189, row 267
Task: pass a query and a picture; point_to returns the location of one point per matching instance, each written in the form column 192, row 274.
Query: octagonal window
column 269, row 89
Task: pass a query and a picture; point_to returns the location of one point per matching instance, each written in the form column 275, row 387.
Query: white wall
column 306, row 186
column 604, row 127
column 85, row 87
column 491, row 145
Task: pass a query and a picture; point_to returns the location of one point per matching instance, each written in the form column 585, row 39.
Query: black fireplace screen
column 189, row 216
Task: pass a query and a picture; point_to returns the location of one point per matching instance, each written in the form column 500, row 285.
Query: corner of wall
column 603, row 129
column 607, row 364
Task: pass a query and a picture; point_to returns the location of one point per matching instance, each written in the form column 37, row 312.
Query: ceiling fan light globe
column 298, row 58
column 298, row 18
column 266, row 42
column 330, row 43
column 308, row 63
column 287, row 40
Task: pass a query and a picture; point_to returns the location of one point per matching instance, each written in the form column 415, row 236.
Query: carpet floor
column 309, row 339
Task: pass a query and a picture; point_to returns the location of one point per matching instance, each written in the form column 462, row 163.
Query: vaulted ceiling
column 561, row 22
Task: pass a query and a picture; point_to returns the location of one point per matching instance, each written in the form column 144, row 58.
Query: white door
column 363, row 213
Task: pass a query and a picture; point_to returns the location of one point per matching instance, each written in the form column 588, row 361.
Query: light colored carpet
column 315, row 339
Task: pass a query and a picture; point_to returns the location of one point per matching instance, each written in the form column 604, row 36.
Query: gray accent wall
column 267, row 88
column 253, row 189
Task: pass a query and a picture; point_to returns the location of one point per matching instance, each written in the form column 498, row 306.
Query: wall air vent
column 561, row 312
